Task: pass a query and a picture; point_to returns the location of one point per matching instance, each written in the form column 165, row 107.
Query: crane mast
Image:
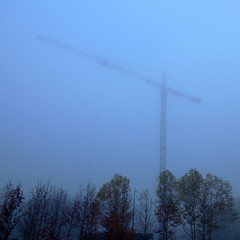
column 164, row 90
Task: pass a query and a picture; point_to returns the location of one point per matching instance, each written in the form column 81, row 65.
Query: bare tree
column 10, row 209
column 70, row 218
column 46, row 214
column 57, row 212
column 145, row 220
column 36, row 212
column 87, row 212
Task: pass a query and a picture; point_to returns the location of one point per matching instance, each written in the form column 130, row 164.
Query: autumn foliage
column 199, row 205
column 116, row 207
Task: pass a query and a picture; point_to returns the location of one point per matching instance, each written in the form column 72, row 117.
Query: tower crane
column 164, row 89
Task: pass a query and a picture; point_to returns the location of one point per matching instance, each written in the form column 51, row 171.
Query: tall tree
column 36, row 212
column 217, row 206
column 11, row 200
column 57, row 211
column 190, row 187
column 167, row 205
column 87, row 212
column 71, row 217
column 117, row 214
column 145, row 220
column 232, row 230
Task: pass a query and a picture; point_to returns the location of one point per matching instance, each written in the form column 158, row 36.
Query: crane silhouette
column 164, row 89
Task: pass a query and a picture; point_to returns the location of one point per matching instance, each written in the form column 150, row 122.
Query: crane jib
column 164, row 89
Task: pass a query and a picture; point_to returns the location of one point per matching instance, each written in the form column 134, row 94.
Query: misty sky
column 68, row 119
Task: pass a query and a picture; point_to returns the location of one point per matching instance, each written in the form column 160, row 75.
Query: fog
column 71, row 120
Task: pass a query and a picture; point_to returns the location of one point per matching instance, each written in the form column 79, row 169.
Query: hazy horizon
column 71, row 120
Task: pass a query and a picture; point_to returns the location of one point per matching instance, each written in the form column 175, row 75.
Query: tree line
column 192, row 207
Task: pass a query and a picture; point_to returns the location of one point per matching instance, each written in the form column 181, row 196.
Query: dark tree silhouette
column 145, row 219
column 10, row 209
column 116, row 208
column 87, row 212
column 216, row 206
column 204, row 207
column 190, row 187
column 167, row 205
column 56, row 222
column 34, row 223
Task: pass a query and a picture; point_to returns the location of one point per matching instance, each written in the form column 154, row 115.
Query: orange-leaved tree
column 116, row 207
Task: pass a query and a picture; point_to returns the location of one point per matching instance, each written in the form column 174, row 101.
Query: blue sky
column 72, row 120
